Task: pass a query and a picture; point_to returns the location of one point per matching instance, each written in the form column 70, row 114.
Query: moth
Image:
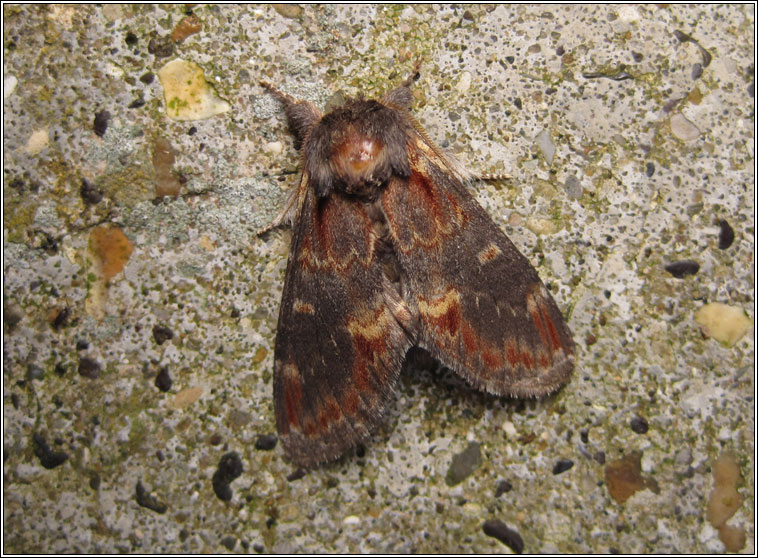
column 390, row 251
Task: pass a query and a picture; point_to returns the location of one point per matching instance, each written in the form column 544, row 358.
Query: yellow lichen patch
column 164, row 155
column 186, row 93
column 206, row 242
column 725, row 501
column 724, row 323
column 110, row 249
column 624, row 477
column 732, row 537
column 259, row 355
column 186, row 27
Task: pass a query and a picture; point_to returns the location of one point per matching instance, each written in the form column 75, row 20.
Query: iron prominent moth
column 390, row 251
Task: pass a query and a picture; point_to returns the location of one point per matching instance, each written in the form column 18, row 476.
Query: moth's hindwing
column 482, row 309
column 339, row 344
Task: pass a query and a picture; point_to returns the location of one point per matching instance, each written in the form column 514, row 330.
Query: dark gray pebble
column 89, row 194
column 266, row 442
column 639, row 425
column 463, row 464
column 48, row 458
column 89, row 368
column 163, row 380
column 147, row 500
column 297, row 474
column 683, row 268
column 229, row 468
column 562, row 466
column 161, row 334
column 726, row 234
column 503, row 486
column 509, row 537
column 229, row 542
column 100, row 124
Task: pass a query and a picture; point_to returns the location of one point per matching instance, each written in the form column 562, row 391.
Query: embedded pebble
column 266, row 442
column 274, row 147
column 297, row 474
column 502, row 487
column 161, row 334
column 89, row 368
column 683, row 128
column 9, row 84
column 147, row 500
column 546, row 145
column 464, row 464
column 229, row 542
column 34, row 372
column 163, row 379
column 229, row 468
column 37, row 142
column 290, row 11
column 639, row 425
column 573, row 187
column 510, row 429
column 683, row 268
column 464, row 83
column 161, row 48
column 100, row 124
column 628, row 13
column 500, row 531
column 683, row 458
column 186, row 397
column 562, row 465
column 726, row 234
column 724, row 323
column 541, row 226
column 186, row 94
column 89, row 193
column 48, row 458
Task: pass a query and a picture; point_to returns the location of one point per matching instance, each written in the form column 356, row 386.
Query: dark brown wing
column 483, row 310
column 339, row 343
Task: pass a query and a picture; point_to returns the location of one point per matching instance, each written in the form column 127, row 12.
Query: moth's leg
column 301, row 115
column 401, row 95
column 286, row 217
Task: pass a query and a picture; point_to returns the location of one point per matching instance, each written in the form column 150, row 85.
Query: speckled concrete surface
column 613, row 180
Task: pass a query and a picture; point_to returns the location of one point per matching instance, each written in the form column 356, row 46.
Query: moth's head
column 357, row 148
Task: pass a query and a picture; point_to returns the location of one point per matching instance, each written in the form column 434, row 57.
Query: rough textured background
column 612, row 181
